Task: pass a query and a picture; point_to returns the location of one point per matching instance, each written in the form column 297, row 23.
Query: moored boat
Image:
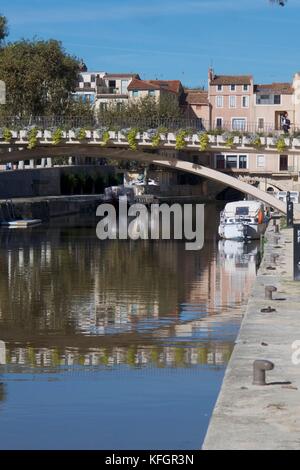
column 242, row 220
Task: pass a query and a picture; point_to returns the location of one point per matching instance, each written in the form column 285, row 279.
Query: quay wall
column 248, row 416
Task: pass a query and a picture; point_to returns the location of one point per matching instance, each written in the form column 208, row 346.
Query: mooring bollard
column 259, row 371
column 269, row 292
column 274, row 257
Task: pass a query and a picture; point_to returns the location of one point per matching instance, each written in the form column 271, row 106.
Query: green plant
column 156, row 139
column 7, row 135
column 105, row 138
column 32, row 138
column 57, row 136
column 229, row 139
column 280, row 145
column 180, row 140
column 203, row 141
column 131, row 138
column 80, row 134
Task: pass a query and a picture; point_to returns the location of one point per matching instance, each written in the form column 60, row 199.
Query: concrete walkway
column 250, row 416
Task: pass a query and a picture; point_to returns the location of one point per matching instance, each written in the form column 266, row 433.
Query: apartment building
column 230, row 98
column 113, row 88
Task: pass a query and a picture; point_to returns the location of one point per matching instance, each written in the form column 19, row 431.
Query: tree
column 39, row 77
column 3, row 28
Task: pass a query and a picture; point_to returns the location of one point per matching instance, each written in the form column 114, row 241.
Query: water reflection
column 116, row 344
column 67, row 298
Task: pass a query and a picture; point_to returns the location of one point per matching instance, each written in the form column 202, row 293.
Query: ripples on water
column 100, row 337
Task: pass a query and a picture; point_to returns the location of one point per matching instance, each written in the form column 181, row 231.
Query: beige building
column 270, row 103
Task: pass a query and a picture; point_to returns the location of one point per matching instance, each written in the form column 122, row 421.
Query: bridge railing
column 170, row 124
column 117, row 123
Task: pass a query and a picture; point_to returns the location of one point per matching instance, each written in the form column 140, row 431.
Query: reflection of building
column 133, row 355
column 2, row 353
column 64, row 296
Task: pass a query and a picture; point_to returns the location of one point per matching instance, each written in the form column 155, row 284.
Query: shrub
column 203, row 141
column 32, row 138
column 7, row 135
column 131, row 138
column 180, row 139
column 57, row 136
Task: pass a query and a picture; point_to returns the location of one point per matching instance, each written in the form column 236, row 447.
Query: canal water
column 115, row 344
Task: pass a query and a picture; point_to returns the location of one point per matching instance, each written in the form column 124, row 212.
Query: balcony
column 102, row 90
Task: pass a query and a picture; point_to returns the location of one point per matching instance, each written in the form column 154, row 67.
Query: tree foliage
column 3, row 28
column 141, row 110
column 39, row 77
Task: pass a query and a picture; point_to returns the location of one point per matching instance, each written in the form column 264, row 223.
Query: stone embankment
column 248, row 416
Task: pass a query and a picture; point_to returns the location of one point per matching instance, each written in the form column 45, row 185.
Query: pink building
column 230, row 97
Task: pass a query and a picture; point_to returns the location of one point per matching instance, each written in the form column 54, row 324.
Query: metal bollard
column 276, row 228
column 269, row 292
column 259, row 371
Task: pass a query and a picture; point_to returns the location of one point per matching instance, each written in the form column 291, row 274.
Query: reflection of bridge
column 116, row 146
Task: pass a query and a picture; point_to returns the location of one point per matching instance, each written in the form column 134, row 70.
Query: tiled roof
column 281, row 88
column 196, row 97
column 169, row 85
column 231, row 80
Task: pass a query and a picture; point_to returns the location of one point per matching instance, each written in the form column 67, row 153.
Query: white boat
column 242, row 220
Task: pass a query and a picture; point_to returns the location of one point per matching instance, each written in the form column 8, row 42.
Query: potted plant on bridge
column 181, row 139
column 6, row 135
column 132, row 137
column 203, row 141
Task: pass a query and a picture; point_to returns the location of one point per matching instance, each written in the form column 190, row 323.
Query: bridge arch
column 235, row 183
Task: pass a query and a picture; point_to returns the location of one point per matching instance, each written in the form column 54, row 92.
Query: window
column 238, row 124
column 111, row 83
column 245, row 87
column 261, row 123
column 243, row 161
column 103, row 106
column 219, row 123
column 80, row 78
column 260, row 161
column 231, row 161
column 151, row 92
column 277, row 99
column 135, row 93
column 93, row 78
column 232, row 101
column 245, row 101
column 232, row 87
column 220, row 162
column 268, row 99
column 219, row 87
column 219, row 101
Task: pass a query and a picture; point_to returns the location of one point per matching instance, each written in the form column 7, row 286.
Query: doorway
column 283, row 163
column 278, row 119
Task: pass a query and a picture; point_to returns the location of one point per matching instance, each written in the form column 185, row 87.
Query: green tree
column 3, row 28
column 39, row 77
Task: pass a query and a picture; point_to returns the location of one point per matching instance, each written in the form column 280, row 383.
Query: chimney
column 211, row 75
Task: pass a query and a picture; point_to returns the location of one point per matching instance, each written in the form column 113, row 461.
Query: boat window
column 242, row 211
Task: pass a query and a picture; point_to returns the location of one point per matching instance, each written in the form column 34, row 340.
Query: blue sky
column 168, row 39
